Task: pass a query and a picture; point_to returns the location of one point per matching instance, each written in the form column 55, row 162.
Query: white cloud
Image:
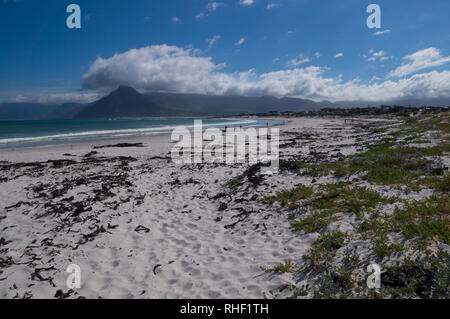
column 182, row 70
column 275, row 60
column 240, row 42
column 290, row 33
column 272, row 5
column 317, row 55
column 175, row 20
column 210, row 8
column 298, row 61
column 213, row 6
column 157, row 68
column 200, row 16
column 377, row 56
column 420, row 60
column 212, row 40
column 374, row 79
column 382, row 32
column 246, row 2
column 339, row 55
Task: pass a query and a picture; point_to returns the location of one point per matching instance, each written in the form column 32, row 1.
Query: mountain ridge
column 122, row 102
column 125, row 101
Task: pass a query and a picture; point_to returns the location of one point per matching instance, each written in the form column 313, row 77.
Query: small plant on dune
column 337, row 282
column 428, row 219
column 303, row 291
column 321, row 254
column 443, row 184
column 421, row 125
column 383, row 175
column 437, row 150
column 386, row 163
column 421, row 141
column 315, row 222
column 381, row 246
column 235, row 182
column 292, row 195
column 287, row 266
column 379, row 130
column 337, row 198
column 423, row 220
column 331, row 241
column 425, row 277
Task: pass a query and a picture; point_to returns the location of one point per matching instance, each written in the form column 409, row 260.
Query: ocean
column 17, row 134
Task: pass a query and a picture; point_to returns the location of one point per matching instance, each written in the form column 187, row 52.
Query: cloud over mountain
column 184, row 70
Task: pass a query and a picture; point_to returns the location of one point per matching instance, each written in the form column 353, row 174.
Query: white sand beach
column 140, row 226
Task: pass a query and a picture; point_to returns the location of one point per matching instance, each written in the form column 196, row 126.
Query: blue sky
column 305, row 48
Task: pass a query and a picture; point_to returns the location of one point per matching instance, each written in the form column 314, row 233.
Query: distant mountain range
column 36, row 111
column 127, row 102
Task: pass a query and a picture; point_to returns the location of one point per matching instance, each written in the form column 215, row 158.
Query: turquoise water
column 14, row 134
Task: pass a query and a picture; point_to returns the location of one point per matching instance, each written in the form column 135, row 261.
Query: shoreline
column 28, row 153
column 160, row 142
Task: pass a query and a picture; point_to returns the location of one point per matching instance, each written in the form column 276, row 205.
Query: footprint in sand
column 191, row 226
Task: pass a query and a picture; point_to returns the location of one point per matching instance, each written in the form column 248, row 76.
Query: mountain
column 198, row 104
column 66, row 111
column 123, row 102
column 36, row 111
column 401, row 102
column 25, row 111
column 127, row 102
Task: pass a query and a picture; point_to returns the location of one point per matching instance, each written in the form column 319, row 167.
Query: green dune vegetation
column 394, row 197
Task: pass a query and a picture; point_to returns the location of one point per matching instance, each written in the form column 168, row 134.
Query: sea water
column 15, row 134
